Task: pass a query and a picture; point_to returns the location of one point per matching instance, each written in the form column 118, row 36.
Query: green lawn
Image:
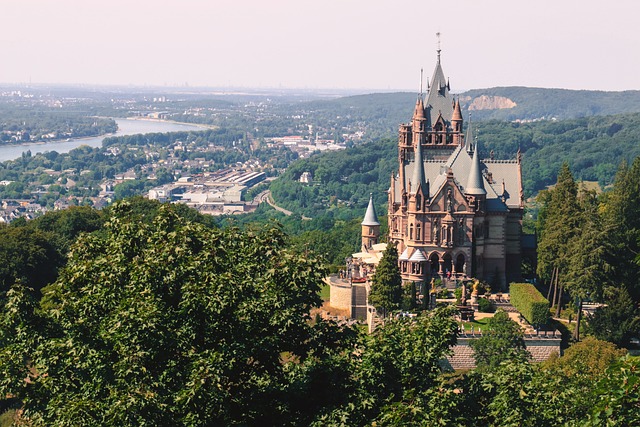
column 324, row 292
column 478, row 323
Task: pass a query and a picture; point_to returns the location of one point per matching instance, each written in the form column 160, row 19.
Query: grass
column 477, row 324
column 325, row 292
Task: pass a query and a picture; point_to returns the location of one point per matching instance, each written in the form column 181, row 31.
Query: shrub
column 443, row 294
column 458, row 295
column 485, row 306
column 530, row 303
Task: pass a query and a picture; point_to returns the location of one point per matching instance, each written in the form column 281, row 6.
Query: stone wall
column 340, row 294
column 541, row 349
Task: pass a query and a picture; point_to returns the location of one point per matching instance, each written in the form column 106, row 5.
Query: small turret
column 370, row 226
column 456, row 118
column 475, row 183
column 417, row 179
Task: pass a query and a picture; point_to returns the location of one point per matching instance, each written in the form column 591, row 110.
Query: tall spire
column 438, row 101
column 417, row 179
column 468, row 138
column 475, row 183
column 370, row 217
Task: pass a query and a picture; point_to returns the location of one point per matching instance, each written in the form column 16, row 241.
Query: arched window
column 418, row 231
column 418, row 202
column 411, row 232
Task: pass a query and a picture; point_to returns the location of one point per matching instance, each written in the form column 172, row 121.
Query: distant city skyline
column 363, row 45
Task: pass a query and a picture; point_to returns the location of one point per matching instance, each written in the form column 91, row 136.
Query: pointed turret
column 370, row 226
column 456, row 119
column 438, row 101
column 475, row 183
column 370, row 217
column 418, row 113
column 469, row 136
column 417, row 179
column 457, row 113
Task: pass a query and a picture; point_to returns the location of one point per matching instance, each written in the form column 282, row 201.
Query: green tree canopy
column 169, row 322
column 502, row 340
column 386, row 287
column 557, row 224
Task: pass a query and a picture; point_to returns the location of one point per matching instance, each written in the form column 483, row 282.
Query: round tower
column 370, row 226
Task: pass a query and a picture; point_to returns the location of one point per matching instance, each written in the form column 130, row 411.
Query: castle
column 451, row 213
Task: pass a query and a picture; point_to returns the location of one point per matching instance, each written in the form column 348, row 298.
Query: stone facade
column 450, row 213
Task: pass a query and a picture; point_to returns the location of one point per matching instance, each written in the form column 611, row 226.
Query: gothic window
column 461, row 233
column 370, row 230
column 394, row 222
column 418, row 202
column 411, row 232
column 418, row 231
column 486, row 229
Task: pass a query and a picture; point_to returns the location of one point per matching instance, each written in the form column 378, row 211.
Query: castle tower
column 449, row 212
column 370, row 227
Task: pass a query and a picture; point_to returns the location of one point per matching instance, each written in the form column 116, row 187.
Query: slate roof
column 438, row 100
column 460, row 162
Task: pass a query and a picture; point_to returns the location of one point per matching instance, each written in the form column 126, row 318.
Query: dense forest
column 594, row 147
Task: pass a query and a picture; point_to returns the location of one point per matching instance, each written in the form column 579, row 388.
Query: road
column 265, row 196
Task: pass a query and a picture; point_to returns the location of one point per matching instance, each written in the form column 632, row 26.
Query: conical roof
column 370, row 217
column 418, row 171
column 457, row 113
column 418, row 256
column 419, row 111
column 475, row 183
column 468, row 138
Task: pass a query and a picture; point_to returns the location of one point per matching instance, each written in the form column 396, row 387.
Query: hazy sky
column 363, row 44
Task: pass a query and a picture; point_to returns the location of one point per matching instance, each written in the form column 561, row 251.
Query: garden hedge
column 530, row 303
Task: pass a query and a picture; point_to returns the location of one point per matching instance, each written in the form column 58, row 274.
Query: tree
column 394, row 370
column 386, row 287
column 502, row 340
column 617, row 322
column 622, row 215
column 558, row 224
column 28, row 255
column 169, row 322
column 588, row 267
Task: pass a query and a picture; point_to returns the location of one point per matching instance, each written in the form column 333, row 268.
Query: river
column 125, row 127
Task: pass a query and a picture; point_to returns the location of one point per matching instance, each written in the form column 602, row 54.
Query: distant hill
column 524, row 103
column 593, row 146
column 388, row 110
